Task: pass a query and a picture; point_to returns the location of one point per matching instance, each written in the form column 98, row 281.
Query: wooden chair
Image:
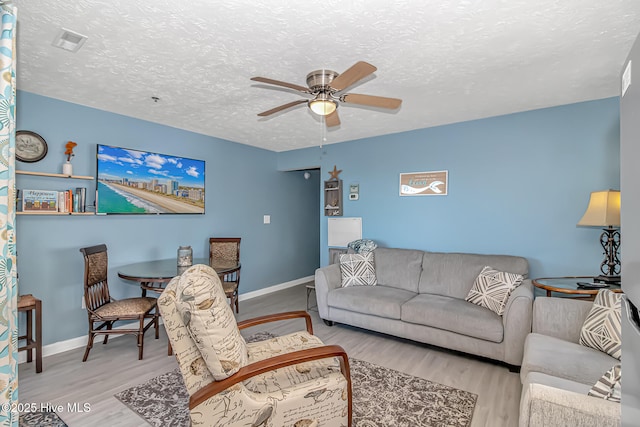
column 227, row 250
column 293, row 379
column 103, row 311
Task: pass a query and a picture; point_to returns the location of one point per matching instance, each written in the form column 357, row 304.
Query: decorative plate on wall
column 30, row 147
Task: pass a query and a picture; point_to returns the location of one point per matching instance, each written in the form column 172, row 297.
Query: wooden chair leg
column 237, row 308
column 141, row 339
column 106, row 336
column 89, row 345
column 29, row 335
column 38, row 336
column 156, row 319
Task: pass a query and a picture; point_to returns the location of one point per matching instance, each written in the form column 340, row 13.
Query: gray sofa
column 557, row 372
column 421, row 296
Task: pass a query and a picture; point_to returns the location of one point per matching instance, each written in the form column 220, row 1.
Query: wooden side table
column 311, row 288
column 28, row 303
column 569, row 285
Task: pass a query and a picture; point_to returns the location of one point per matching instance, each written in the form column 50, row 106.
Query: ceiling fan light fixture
column 326, row 88
column 322, row 105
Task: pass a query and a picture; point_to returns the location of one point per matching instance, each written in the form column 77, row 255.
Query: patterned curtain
column 8, row 270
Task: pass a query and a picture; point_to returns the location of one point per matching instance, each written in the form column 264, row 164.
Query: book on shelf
column 81, row 192
column 62, row 201
column 69, row 201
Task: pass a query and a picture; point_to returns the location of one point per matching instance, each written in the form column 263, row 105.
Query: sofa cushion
column 563, row 359
column 398, row 268
column 455, row 315
column 357, row 270
column 549, row 401
column 492, row 288
column 453, row 274
column 378, row 300
column 608, row 387
column 602, row 329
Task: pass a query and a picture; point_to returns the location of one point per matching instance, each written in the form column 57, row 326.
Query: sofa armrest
column 326, row 279
column 516, row 321
column 560, row 317
column 546, row 406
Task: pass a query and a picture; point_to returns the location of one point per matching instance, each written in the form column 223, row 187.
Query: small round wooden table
column 155, row 275
column 569, row 285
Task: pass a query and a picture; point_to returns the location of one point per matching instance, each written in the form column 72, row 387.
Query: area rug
column 381, row 397
column 41, row 419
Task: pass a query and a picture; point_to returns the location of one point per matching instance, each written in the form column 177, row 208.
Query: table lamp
column 604, row 211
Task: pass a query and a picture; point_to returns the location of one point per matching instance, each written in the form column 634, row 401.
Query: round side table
column 569, row 285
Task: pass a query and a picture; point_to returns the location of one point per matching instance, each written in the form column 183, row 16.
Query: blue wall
column 518, row 184
column 242, row 185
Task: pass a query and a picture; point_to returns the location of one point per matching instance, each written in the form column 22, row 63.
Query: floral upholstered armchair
column 292, row 380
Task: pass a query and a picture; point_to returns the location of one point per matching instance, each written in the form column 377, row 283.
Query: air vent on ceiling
column 69, row 40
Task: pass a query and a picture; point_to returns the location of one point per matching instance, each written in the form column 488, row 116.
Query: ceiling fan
column 326, row 86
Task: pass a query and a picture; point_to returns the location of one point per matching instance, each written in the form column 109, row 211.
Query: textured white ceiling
column 449, row 61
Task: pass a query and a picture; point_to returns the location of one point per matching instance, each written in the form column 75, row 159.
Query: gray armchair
column 557, row 372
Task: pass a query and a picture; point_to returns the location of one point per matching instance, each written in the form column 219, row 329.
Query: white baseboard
column 73, row 343
column 70, row 344
column 274, row 288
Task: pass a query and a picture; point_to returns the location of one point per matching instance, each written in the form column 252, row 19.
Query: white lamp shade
column 603, row 210
column 322, row 107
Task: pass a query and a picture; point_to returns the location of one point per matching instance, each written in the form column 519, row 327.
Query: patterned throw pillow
column 492, row 288
column 602, row 329
column 608, row 387
column 362, row 246
column 202, row 304
column 358, row 270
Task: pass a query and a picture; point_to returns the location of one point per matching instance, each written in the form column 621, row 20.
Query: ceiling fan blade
column 283, row 84
column 358, row 71
column 332, row 119
column 282, row 107
column 372, row 101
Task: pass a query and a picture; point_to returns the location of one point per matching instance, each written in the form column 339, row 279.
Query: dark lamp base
column 614, row 280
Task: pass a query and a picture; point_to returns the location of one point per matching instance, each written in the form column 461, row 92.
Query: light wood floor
column 115, row 367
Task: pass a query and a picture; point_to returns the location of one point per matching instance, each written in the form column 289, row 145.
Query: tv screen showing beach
column 140, row 182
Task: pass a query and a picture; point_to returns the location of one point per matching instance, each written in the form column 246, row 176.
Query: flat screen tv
column 139, row 182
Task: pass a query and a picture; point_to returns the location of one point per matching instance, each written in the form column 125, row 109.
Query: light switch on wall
column 267, row 219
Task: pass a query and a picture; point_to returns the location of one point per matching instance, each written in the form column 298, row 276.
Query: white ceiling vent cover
column 69, row 40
